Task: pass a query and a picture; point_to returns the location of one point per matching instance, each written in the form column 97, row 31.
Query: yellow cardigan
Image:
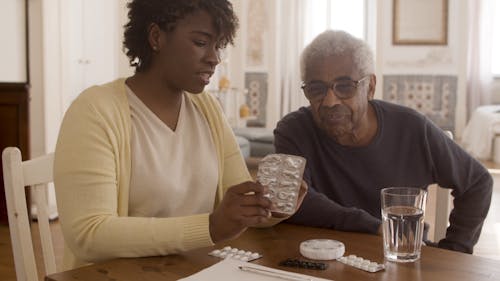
column 92, row 176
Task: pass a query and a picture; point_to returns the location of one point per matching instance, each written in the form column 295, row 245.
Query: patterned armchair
column 432, row 95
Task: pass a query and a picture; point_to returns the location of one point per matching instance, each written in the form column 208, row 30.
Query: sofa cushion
column 261, row 149
column 255, row 134
column 261, row 140
column 244, row 146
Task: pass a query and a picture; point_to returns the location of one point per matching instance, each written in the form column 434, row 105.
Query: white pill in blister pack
column 361, row 263
column 235, row 253
column 282, row 174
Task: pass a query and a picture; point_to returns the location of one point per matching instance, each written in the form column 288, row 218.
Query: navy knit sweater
column 408, row 150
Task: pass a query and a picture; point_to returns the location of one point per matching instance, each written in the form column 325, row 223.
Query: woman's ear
column 154, row 37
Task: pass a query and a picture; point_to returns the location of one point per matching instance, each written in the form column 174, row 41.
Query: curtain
column 290, row 42
column 479, row 76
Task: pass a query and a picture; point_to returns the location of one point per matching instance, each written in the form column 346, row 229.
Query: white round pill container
column 322, row 249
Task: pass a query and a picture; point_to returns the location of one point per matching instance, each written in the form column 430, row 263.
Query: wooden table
column 281, row 242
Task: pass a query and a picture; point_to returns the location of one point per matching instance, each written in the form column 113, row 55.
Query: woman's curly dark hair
column 166, row 13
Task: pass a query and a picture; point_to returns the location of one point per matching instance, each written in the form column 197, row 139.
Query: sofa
column 260, row 141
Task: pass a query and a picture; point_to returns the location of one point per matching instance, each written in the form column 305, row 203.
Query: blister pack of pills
column 282, row 174
column 235, row 253
column 304, row 264
column 361, row 263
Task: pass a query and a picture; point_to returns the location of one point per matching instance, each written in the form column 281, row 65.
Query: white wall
column 239, row 58
column 49, row 62
column 390, row 59
column 495, row 98
column 46, row 108
column 36, row 105
column 13, row 60
column 124, row 68
column 432, row 60
column 13, row 46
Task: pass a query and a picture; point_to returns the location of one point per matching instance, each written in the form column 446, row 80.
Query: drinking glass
column 403, row 222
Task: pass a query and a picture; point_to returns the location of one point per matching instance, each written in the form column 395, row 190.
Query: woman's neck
column 164, row 102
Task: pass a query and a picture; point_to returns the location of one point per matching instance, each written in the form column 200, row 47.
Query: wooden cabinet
column 14, row 84
column 14, row 100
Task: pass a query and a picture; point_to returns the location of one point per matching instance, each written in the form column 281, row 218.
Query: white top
column 174, row 173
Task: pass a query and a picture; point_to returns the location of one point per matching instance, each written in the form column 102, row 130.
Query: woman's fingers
column 243, row 205
column 248, row 194
column 248, row 188
column 254, row 200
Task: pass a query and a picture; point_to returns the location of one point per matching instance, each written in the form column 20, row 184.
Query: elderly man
column 355, row 146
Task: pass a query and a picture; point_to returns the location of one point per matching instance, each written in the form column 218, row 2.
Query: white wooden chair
column 17, row 174
column 441, row 200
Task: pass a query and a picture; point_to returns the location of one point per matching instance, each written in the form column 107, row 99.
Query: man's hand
column 302, row 194
column 243, row 205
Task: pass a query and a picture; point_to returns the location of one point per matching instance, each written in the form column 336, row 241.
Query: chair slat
column 43, row 225
column 17, row 210
column 37, row 171
column 443, row 207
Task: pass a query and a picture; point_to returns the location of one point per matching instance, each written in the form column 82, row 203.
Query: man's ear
column 154, row 35
column 372, row 86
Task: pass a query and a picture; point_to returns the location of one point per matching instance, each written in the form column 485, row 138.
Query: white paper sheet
column 228, row 269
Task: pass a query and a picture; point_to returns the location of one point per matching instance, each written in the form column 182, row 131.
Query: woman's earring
column 155, row 48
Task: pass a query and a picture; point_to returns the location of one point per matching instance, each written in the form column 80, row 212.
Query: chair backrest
column 17, row 174
column 443, row 205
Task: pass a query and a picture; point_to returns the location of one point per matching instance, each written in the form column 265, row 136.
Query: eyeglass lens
column 319, row 89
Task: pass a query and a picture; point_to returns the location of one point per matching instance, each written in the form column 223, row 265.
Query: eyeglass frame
column 332, row 85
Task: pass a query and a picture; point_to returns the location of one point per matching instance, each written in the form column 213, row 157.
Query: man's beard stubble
column 337, row 122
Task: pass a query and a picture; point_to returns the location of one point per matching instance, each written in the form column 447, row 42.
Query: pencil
column 273, row 273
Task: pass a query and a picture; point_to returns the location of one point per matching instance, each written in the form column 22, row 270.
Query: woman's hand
column 243, row 205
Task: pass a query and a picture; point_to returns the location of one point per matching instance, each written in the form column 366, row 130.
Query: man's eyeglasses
column 343, row 89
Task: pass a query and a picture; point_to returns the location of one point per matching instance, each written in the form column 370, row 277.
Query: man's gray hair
column 338, row 43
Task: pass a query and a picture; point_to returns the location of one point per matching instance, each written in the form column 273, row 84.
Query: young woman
column 148, row 165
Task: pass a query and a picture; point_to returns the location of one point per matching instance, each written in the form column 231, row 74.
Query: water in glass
column 403, row 230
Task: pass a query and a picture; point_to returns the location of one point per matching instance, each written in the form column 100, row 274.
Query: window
column 495, row 40
column 349, row 16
